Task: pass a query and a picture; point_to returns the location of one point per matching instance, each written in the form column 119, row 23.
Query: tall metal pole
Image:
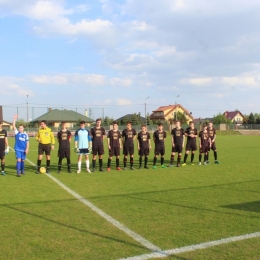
column 145, row 111
column 27, row 114
column 176, row 108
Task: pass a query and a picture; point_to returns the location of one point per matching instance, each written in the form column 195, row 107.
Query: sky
column 111, row 57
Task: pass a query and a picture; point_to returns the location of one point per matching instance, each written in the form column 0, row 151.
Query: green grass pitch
column 171, row 208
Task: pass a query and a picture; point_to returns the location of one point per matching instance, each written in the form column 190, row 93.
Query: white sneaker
column 199, row 163
column 205, row 163
column 88, row 170
column 78, row 171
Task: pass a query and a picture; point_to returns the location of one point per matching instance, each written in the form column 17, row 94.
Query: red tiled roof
column 232, row 114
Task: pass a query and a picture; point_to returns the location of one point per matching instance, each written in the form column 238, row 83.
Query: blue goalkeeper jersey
column 82, row 136
column 21, row 140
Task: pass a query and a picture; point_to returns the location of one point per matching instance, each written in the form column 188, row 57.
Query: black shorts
column 204, row 148
column 64, row 153
column 44, row 148
column 190, row 146
column 98, row 149
column 2, row 155
column 159, row 150
column 144, row 151
column 177, row 148
column 213, row 147
column 114, row 151
column 128, row 150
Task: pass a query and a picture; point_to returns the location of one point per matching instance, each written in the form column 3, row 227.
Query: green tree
column 134, row 119
column 221, row 119
column 124, row 120
column 180, row 116
column 21, row 122
column 251, row 119
column 108, row 121
column 148, row 119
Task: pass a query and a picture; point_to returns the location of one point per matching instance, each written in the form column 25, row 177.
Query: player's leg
column 131, row 152
column 185, row 157
column 125, row 156
column 40, row 155
column 179, row 150
column 162, row 152
column 140, row 153
column 214, row 148
column 205, row 158
column 156, row 154
column 100, row 160
column 48, row 157
column 79, row 161
column 146, row 154
column 87, row 162
column 67, row 156
column 117, row 154
column 200, row 156
column 59, row 164
column 94, row 157
column 2, row 157
column 18, row 163
column 172, row 157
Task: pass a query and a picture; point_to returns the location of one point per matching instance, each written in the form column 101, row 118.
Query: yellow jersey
column 45, row 136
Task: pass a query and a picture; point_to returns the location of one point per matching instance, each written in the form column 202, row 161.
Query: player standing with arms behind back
column 144, row 146
column 128, row 137
column 158, row 137
column 212, row 135
column 114, row 144
column 83, row 145
column 178, row 139
column 21, row 147
column 46, row 141
column 64, row 138
column 97, row 134
column 205, row 143
column 4, row 148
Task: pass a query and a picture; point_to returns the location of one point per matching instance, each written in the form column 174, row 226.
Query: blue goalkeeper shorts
column 20, row 155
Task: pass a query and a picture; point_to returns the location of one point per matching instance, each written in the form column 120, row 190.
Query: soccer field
column 144, row 214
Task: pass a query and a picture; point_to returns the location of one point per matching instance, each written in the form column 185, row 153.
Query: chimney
column 50, row 109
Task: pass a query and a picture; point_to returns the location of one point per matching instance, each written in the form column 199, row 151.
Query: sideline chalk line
column 104, row 215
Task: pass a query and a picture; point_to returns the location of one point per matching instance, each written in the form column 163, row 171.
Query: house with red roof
column 235, row 116
column 167, row 113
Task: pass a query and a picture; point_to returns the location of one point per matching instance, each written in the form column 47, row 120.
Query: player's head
column 205, row 125
column 21, row 128
column 191, row 123
column 63, row 125
column 210, row 124
column 115, row 125
column 144, row 128
column 128, row 124
column 178, row 123
column 98, row 122
column 82, row 124
column 160, row 126
column 43, row 124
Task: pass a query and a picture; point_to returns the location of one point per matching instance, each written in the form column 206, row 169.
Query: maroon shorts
column 114, row 151
column 98, row 149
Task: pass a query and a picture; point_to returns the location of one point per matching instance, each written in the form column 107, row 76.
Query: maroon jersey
column 159, row 137
column 114, row 138
column 128, row 136
column 64, row 139
column 97, row 135
column 212, row 133
column 143, row 139
column 178, row 135
column 204, row 137
column 190, row 131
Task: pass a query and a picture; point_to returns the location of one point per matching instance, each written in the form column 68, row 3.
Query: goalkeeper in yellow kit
column 46, row 141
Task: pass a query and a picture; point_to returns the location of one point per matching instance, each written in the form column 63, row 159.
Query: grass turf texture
column 171, row 207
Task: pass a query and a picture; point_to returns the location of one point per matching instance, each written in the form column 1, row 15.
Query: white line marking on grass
column 107, row 217
column 186, row 249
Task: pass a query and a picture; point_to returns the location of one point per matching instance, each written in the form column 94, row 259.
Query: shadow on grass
column 12, row 207
column 253, row 206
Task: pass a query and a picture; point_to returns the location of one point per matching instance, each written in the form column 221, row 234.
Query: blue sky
column 114, row 54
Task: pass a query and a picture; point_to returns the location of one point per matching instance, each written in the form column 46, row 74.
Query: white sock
column 79, row 165
column 87, row 164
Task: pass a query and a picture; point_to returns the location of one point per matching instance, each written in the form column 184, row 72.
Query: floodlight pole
column 145, row 111
column 176, row 109
column 27, row 114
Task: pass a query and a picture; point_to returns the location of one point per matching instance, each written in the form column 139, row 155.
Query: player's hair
column 143, row 125
column 1, row 122
column 98, row 119
column 44, row 121
column 63, row 122
column 159, row 123
column 82, row 122
column 115, row 123
column 191, row 122
column 128, row 122
column 205, row 124
column 21, row 125
column 177, row 121
column 210, row 122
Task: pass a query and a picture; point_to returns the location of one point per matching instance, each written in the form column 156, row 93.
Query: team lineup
column 88, row 142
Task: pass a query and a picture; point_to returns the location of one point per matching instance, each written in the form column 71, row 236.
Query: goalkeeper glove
column 90, row 149
column 76, row 150
column 7, row 150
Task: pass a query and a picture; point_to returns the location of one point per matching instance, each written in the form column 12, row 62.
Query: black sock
column 48, row 162
column 215, row 155
column 117, row 162
column 131, row 161
column 185, row 157
column 140, row 160
column 68, row 163
column 125, row 161
column 172, row 159
column 145, row 161
column 205, row 157
column 200, row 156
column 208, row 156
column 93, row 164
column 154, row 161
column 59, row 164
column 179, row 158
column 192, row 157
column 100, row 163
column 162, row 160
column 108, row 163
column 3, row 166
column 39, row 164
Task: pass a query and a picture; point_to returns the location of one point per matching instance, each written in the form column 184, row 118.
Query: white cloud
column 123, row 101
